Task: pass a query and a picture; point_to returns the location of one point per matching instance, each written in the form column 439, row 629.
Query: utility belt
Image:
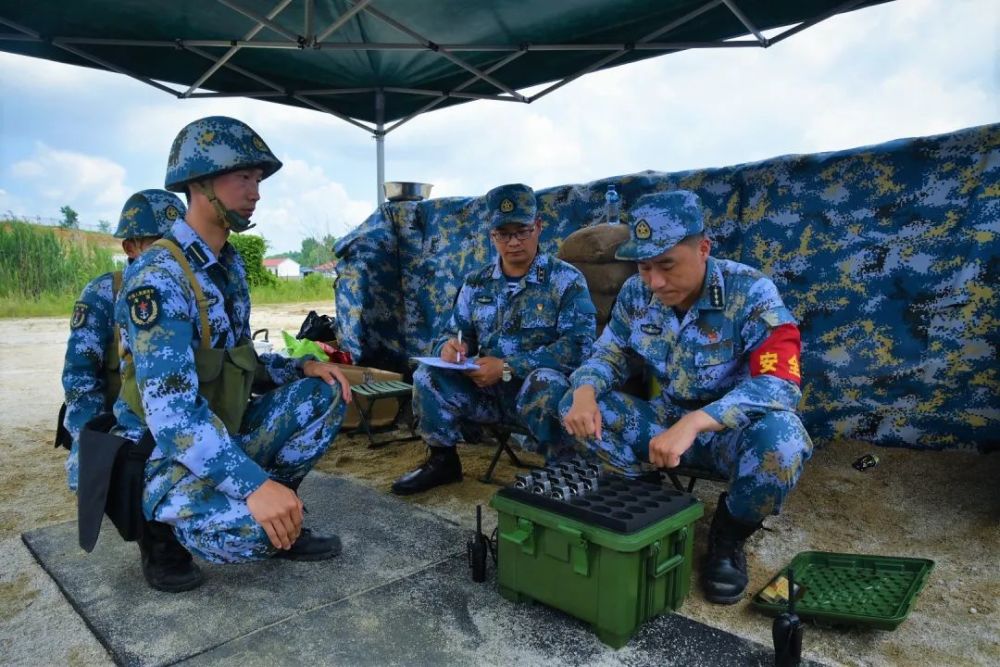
column 112, row 477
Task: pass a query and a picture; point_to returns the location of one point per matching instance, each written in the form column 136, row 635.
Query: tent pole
column 380, row 145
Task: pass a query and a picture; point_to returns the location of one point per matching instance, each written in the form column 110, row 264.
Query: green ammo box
column 613, row 557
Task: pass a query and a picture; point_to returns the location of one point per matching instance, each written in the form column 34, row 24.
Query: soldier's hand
column 330, row 374
column 454, row 352
column 584, row 417
column 279, row 511
column 489, row 372
column 666, row 448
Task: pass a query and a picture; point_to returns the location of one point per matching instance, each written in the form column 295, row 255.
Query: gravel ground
column 943, row 506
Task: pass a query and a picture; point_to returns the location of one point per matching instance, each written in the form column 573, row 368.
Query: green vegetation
column 251, row 249
column 314, row 251
column 71, row 219
column 42, row 271
column 313, row 287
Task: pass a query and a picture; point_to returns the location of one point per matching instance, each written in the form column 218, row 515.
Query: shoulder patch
column 79, row 319
column 144, row 306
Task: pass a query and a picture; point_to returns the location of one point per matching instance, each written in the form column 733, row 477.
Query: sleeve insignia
column 79, row 318
column 144, row 306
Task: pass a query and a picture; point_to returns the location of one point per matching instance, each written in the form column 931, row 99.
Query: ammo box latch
column 524, row 536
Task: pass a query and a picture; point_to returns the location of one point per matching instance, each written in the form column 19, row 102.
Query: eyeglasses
column 507, row 237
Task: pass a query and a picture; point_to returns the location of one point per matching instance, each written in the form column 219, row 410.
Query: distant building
column 328, row 269
column 283, row 267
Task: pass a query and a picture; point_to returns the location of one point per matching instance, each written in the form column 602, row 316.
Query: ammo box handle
column 667, row 565
column 657, row 570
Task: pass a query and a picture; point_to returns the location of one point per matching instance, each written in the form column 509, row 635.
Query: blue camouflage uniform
column 87, row 363
column 546, row 320
column 199, row 475
column 702, row 360
column 91, row 365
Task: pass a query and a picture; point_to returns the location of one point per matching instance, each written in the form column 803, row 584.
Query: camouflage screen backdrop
column 888, row 255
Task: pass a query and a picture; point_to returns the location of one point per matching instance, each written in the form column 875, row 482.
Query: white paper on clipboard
column 436, row 362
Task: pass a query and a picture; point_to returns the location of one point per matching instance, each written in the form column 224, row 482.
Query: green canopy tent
column 378, row 64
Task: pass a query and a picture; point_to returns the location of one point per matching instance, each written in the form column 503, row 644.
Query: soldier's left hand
column 330, row 374
column 489, row 372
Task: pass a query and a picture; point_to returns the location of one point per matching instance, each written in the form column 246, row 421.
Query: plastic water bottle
column 612, row 201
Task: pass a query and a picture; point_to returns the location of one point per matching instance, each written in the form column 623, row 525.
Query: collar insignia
column 715, row 294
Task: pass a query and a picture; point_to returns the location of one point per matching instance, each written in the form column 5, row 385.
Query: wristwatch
column 507, row 372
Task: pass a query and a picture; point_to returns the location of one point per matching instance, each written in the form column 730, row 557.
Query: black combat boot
column 166, row 564
column 724, row 576
column 309, row 546
column 441, row 467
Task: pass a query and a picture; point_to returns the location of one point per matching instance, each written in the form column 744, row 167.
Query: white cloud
column 93, row 185
column 306, row 202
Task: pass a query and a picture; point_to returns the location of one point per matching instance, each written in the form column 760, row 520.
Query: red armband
column 778, row 355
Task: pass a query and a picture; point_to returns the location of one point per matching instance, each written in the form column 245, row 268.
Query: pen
column 458, row 355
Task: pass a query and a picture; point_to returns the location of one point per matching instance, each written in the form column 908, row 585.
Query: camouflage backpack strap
column 199, row 295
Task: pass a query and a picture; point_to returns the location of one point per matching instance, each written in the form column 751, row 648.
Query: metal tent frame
column 313, row 37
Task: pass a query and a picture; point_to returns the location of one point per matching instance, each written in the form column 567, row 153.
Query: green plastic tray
column 850, row 589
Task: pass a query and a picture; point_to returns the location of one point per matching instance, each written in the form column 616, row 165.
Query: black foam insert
column 617, row 503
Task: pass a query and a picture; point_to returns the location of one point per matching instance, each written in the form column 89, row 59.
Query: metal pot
column 407, row 191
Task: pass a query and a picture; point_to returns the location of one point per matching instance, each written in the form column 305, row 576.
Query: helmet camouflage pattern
column 215, row 145
column 149, row 213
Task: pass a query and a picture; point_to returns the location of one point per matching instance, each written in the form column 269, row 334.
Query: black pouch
column 63, row 438
column 318, row 327
column 112, row 475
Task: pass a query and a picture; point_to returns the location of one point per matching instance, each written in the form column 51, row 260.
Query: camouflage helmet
column 149, row 213
column 215, row 145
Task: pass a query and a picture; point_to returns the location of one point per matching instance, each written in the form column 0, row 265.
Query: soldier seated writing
column 528, row 310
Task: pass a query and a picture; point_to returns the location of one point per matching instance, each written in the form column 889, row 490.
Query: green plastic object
column 613, row 581
column 850, row 589
column 303, row 348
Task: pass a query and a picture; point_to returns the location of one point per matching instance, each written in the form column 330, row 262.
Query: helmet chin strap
column 225, row 218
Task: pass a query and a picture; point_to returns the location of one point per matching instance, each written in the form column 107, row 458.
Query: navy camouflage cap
column 658, row 221
column 215, row 145
column 511, row 205
column 149, row 213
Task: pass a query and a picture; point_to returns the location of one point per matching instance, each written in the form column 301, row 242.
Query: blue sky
column 71, row 135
